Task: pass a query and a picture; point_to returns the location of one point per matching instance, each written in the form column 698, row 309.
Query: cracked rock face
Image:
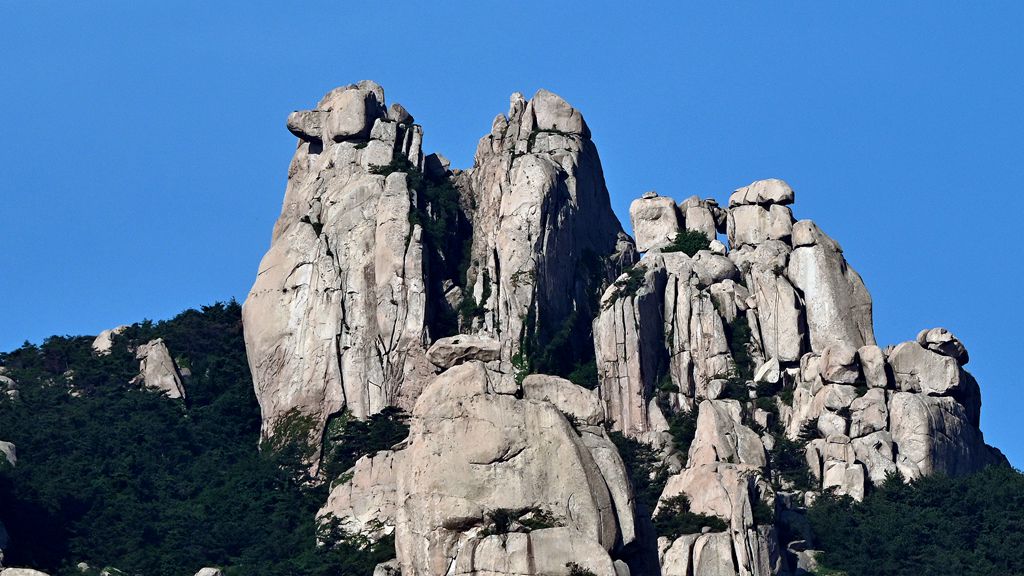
column 336, row 316
column 545, row 238
column 471, row 453
column 764, row 341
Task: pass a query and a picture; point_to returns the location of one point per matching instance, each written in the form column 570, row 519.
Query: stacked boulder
column 671, row 336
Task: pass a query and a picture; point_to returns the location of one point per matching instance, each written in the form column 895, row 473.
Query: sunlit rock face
column 504, row 308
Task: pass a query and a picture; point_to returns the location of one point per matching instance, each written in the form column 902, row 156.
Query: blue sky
column 143, row 154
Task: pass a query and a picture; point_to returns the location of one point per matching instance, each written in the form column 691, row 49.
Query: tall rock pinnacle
column 544, row 235
column 336, row 316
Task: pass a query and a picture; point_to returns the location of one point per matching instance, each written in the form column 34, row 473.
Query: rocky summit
column 537, row 349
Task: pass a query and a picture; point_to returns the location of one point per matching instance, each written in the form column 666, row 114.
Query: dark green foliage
column 735, row 389
column 120, row 476
column 683, row 427
column 646, row 473
column 689, row 241
column 738, row 334
column 763, row 513
column 628, row 286
column 786, row 394
column 585, row 375
column 577, row 570
column 970, row 526
column 667, row 385
column 556, row 356
column 674, row 519
column 505, row 520
column 347, row 439
column 788, row 464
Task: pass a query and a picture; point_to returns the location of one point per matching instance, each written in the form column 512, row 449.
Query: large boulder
column 942, row 341
column 722, row 437
column 105, row 340
column 472, row 454
column 753, row 224
column 157, row 369
column 351, row 111
column 920, row 370
column 699, row 216
column 770, row 191
column 449, row 351
column 655, row 221
column 933, row 435
column 838, row 304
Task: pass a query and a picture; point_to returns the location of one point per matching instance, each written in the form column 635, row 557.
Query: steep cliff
column 505, row 309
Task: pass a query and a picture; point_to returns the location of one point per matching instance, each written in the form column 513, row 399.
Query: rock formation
column 157, row 369
column 337, row 315
column 478, row 301
column 105, row 340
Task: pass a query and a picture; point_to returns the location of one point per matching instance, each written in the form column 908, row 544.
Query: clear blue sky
column 143, row 153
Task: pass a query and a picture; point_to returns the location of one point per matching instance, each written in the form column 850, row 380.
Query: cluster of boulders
column 763, row 338
column 871, row 412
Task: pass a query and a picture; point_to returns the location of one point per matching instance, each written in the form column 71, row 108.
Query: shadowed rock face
column 544, row 235
column 361, row 304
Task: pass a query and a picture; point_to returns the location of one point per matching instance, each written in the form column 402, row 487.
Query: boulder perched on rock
column 942, row 341
column 770, row 191
column 449, row 351
column 655, row 221
column 919, row 370
column 157, row 369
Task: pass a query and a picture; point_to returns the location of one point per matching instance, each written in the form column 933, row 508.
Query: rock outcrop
column 9, row 452
column 359, row 281
column 157, row 369
column 544, row 238
column 481, row 301
column 337, row 315
column 105, row 340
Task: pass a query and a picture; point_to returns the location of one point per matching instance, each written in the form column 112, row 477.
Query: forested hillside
column 112, row 474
